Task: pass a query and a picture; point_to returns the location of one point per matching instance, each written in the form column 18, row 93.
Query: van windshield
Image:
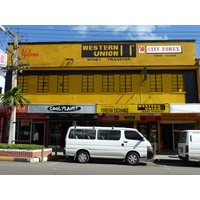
column 182, row 137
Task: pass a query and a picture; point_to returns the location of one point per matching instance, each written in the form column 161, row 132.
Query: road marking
column 54, row 163
column 166, row 166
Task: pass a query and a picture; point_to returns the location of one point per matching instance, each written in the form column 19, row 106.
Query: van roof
column 101, row 127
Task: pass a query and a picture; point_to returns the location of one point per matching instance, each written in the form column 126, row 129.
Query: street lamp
column 14, row 37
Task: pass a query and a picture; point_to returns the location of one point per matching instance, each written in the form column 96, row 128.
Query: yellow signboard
column 135, row 108
column 104, row 54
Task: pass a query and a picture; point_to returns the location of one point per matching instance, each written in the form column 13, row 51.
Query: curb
column 18, row 159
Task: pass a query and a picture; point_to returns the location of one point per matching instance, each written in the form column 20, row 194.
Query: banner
column 3, row 58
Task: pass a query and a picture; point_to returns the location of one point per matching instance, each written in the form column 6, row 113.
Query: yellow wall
column 140, row 94
column 56, row 56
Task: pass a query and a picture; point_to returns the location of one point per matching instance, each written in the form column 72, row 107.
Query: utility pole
column 14, row 68
column 15, row 59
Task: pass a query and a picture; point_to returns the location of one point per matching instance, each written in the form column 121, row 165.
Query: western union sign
column 108, row 50
column 136, row 108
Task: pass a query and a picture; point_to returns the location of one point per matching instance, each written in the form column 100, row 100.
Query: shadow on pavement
column 62, row 158
column 176, row 162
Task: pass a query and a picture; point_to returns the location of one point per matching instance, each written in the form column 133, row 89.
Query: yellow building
column 108, row 83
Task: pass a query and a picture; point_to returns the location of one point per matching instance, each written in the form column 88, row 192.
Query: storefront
column 160, row 124
column 51, row 121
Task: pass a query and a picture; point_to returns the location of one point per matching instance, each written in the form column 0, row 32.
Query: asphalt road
column 99, row 167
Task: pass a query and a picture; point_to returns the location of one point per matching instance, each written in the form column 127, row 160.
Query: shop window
column 23, row 130
column 125, row 83
column 63, row 84
column 23, row 83
column 109, row 135
column 156, row 83
column 43, row 84
column 108, row 83
column 54, row 132
column 87, row 83
column 177, row 83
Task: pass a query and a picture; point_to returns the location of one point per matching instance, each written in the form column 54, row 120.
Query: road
column 99, row 167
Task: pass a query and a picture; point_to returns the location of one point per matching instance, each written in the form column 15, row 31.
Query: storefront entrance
column 170, row 134
column 40, row 128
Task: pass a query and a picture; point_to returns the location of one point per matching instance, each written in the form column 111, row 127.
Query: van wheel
column 133, row 158
column 83, row 157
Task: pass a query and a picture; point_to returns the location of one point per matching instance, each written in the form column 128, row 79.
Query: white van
column 189, row 145
column 84, row 143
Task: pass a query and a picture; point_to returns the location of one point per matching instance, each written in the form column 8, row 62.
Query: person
column 36, row 137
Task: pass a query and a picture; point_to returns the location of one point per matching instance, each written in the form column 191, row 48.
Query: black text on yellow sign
column 108, row 50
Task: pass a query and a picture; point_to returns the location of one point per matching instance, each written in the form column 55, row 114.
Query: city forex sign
column 108, row 50
column 164, row 49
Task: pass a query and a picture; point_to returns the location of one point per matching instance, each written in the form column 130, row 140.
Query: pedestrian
column 36, row 137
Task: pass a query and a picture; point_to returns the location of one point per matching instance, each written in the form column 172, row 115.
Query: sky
column 48, row 33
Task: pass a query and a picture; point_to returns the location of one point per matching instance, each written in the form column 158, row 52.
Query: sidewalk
column 58, row 155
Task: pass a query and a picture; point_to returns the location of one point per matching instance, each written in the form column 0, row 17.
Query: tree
column 10, row 100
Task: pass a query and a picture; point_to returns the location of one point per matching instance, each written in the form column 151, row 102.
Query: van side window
column 132, row 135
column 109, row 134
column 182, row 137
column 82, row 134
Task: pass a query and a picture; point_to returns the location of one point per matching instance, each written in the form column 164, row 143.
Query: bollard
column 55, row 152
column 42, row 158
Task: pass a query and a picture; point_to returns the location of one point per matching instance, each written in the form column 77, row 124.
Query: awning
column 185, row 108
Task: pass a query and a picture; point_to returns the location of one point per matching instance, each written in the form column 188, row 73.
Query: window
column 63, row 84
column 125, row 83
column 43, row 84
column 23, row 130
column 109, row 134
column 87, row 83
column 177, row 83
column 182, row 137
column 133, row 135
column 108, row 83
column 23, row 83
column 82, row 134
column 156, row 83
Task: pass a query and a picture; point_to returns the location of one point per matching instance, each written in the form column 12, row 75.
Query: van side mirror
column 142, row 138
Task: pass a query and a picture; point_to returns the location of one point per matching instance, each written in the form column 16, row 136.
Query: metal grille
column 108, row 83
column 125, row 83
column 87, row 83
column 23, row 83
column 177, row 83
column 63, row 84
column 43, row 84
column 156, row 83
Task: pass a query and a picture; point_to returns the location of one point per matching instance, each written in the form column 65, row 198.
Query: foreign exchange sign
column 135, row 108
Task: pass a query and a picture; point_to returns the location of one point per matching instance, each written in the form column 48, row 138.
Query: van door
column 134, row 141
column 109, row 144
column 182, row 143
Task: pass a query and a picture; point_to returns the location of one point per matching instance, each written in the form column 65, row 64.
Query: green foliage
column 21, row 146
column 13, row 97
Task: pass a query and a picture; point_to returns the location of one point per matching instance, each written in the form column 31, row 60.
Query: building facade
column 115, row 83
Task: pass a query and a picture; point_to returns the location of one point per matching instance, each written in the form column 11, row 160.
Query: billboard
column 3, row 58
